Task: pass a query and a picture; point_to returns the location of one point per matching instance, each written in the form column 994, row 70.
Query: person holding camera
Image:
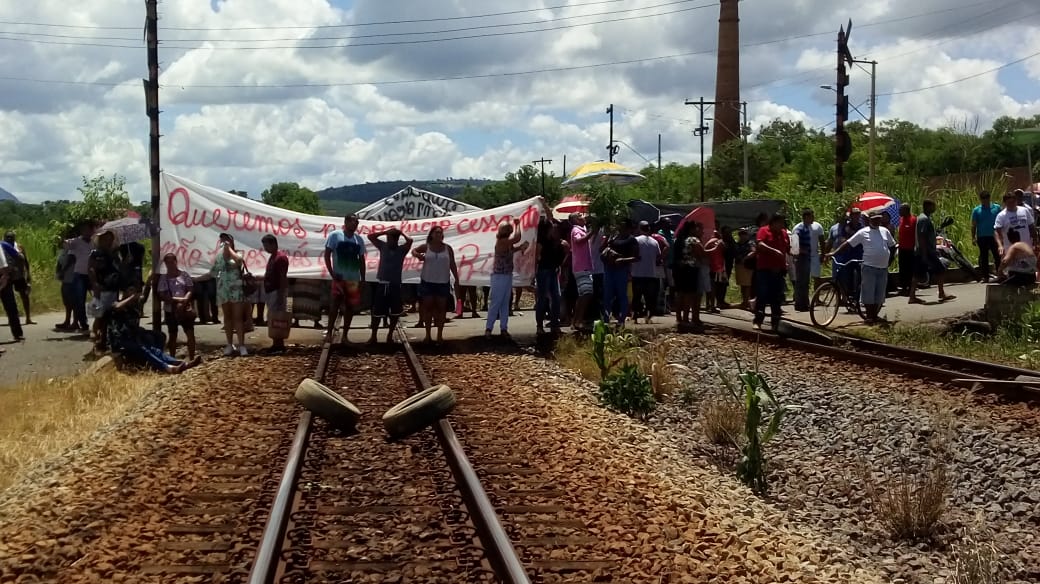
column 229, row 269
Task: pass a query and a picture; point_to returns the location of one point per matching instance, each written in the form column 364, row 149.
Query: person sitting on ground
column 135, row 344
column 386, row 300
column 1019, row 262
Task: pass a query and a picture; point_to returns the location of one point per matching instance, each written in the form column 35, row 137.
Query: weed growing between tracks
column 40, row 417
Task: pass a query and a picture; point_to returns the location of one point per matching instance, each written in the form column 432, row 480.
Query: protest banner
column 414, row 203
column 192, row 216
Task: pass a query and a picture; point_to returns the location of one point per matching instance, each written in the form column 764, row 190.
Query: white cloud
column 328, row 122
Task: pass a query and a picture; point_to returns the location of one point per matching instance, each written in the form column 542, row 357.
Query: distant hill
column 6, row 196
column 372, row 192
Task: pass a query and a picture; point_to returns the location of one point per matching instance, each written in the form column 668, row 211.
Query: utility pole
column 660, row 177
column 612, row 150
column 842, row 142
column 873, row 119
column 543, row 162
column 700, row 131
column 151, row 100
column 564, row 166
column 745, row 131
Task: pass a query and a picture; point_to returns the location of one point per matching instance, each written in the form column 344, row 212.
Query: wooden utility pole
column 612, row 149
column 700, row 131
column 543, row 162
column 151, row 99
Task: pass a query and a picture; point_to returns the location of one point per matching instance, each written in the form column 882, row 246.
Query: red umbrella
column 702, row 215
column 870, row 201
column 570, row 204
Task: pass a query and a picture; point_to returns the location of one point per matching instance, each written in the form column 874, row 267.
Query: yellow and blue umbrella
column 603, row 171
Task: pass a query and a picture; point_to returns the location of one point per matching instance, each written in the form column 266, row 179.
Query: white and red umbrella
column 570, row 204
column 868, row 202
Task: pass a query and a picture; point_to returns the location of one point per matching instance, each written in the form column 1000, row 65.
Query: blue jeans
column 547, row 287
column 615, row 287
column 154, row 357
column 873, row 285
column 79, row 298
column 498, row 306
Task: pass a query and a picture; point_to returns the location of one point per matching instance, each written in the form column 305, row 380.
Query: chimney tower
column 727, row 76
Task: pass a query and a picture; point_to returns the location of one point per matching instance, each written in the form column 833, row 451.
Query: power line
column 364, row 36
column 372, row 44
column 322, row 26
column 438, row 79
column 962, row 79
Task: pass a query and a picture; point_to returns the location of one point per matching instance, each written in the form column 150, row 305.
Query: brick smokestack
column 727, row 77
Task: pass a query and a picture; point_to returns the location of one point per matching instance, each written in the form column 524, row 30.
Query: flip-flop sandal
column 947, row 298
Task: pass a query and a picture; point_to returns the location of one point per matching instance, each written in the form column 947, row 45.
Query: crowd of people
column 584, row 271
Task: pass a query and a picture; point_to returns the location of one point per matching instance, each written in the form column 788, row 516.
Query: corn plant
column 753, row 391
column 610, row 349
column 629, row 391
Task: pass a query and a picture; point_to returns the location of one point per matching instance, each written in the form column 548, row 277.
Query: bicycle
column 832, row 295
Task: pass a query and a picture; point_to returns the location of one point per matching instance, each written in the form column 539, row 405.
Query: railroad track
column 1011, row 382
column 360, row 508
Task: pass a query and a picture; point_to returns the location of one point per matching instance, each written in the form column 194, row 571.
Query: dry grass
column 574, row 354
column 722, row 420
column 41, row 417
column 977, row 560
column 652, row 358
column 910, row 501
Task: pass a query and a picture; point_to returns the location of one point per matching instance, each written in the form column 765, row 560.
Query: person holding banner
column 345, row 260
column 228, row 268
column 438, row 260
column 386, row 300
column 502, row 276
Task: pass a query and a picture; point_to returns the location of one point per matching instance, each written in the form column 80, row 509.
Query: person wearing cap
column 877, row 246
column 839, row 232
column 176, row 289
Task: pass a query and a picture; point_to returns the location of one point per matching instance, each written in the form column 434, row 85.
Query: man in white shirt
column 8, row 300
column 878, row 246
column 1014, row 217
column 806, row 238
column 81, row 248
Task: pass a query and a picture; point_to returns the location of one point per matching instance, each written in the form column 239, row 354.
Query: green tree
column 104, row 198
column 291, row 196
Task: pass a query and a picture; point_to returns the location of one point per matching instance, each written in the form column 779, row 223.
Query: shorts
column 173, row 325
column 21, row 286
column 386, row 299
column 583, row 281
column 929, row 265
column 743, row 275
column 348, row 290
column 434, row 289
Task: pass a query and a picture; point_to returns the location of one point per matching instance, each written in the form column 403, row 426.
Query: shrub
column 910, row 501
column 722, row 420
column 610, row 349
column 629, row 391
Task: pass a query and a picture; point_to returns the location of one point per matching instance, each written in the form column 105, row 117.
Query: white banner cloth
column 414, row 203
column 193, row 215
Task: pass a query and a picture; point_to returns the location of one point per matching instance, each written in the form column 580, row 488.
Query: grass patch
column 40, row 417
column 574, row 354
column 1005, row 346
column 722, row 419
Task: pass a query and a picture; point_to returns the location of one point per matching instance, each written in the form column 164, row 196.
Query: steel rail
column 499, row 549
column 265, row 566
column 496, row 543
column 912, row 362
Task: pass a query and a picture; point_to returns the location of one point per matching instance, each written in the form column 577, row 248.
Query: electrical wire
column 962, row 79
column 168, row 45
column 322, row 26
column 364, row 36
